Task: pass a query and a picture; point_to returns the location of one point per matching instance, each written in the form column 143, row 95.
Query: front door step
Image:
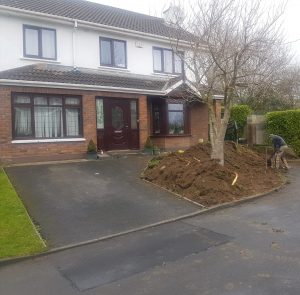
column 123, row 152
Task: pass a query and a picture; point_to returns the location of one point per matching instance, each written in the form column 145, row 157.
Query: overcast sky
column 155, row 7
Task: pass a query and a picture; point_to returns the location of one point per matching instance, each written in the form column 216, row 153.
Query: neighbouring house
column 73, row 70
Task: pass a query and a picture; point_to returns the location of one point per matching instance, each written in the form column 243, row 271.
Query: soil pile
column 194, row 175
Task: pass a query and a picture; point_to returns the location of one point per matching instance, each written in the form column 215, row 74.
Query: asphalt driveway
column 75, row 202
column 252, row 248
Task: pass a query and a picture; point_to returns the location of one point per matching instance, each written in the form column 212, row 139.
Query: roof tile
column 69, row 75
column 99, row 14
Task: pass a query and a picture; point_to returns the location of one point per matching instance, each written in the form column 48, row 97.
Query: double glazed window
column 113, row 53
column 46, row 116
column 175, row 118
column 166, row 61
column 39, row 42
column 169, row 118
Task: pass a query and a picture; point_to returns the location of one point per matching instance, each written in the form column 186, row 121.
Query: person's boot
column 286, row 165
column 273, row 164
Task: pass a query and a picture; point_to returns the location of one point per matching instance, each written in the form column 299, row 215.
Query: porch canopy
column 57, row 76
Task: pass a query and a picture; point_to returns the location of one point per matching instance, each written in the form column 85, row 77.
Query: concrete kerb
column 7, row 261
column 46, row 163
column 103, row 157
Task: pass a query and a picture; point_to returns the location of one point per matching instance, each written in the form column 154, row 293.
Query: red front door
column 117, row 116
column 117, row 124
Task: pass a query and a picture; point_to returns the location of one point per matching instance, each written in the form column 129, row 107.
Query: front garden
column 194, row 175
column 18, row 235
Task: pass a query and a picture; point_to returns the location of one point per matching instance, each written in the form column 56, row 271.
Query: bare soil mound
column 194, row 175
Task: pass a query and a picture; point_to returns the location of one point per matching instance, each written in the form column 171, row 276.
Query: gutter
column 91, row 25
column 21, row 83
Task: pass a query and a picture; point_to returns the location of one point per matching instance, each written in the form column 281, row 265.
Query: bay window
column 175, row 118
column 43, row 116
column 169, row 117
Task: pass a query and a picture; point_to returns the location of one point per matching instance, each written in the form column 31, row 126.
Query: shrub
column 153, row 163
column 238, row 114
column 148, row 143
column 287, row 125
column 91, row 147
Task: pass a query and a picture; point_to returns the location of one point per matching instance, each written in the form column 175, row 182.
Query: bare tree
column 232, row 44
column 282, row 92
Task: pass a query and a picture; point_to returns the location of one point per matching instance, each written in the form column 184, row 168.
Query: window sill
column 114, row 69
column 40, row 59
column 170, row 135
column 166, row 74
column 54, row 140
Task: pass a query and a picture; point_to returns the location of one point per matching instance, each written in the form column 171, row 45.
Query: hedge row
column 239, row 114
column 287, row 125
column 238, row 118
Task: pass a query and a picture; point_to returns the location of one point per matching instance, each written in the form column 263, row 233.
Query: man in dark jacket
column 280, row 147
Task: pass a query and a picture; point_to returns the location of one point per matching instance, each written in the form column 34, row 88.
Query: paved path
column 76, row 202
column 249, row 249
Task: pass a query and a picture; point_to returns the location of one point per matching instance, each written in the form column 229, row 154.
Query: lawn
column 18, row 236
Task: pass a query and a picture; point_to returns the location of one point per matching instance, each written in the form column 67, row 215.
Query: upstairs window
column 166, row 61
column 39, row 42
column 113, row 53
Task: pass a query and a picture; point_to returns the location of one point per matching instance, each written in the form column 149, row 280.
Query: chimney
column 173, row 15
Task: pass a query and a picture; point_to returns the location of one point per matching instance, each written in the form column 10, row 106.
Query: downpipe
column 74, row 43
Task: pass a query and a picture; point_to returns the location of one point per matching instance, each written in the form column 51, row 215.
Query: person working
column 280, row 147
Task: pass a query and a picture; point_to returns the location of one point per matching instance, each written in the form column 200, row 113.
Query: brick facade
column 25, row 152
column 199, row 130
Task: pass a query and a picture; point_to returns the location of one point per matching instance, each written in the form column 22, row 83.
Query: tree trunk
column 218, row 128
column 217, row 146
column 217, row 133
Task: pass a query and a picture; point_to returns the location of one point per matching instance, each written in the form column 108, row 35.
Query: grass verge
column 18, row 236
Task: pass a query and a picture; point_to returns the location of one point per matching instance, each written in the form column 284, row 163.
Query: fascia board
column 9, row 82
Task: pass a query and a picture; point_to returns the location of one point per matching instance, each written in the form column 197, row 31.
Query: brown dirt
column 194, row 175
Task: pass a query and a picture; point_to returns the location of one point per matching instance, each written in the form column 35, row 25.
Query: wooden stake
column 266, row 159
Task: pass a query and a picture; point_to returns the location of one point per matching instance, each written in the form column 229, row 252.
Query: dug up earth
column 195, row 176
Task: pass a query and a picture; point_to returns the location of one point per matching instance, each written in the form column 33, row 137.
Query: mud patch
column 194, row 175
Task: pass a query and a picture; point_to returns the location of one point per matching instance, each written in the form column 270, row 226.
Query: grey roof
column 87, row 77
column 99, row 14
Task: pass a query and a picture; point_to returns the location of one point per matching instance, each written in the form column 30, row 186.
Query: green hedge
column 287, row 125
column 239, row 114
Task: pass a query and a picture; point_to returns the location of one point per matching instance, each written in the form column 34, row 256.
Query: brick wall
column 16, row 152
column 199, row 130
column 218, row 110
column 199, row 123
column 143, row 120
column 172, row 142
